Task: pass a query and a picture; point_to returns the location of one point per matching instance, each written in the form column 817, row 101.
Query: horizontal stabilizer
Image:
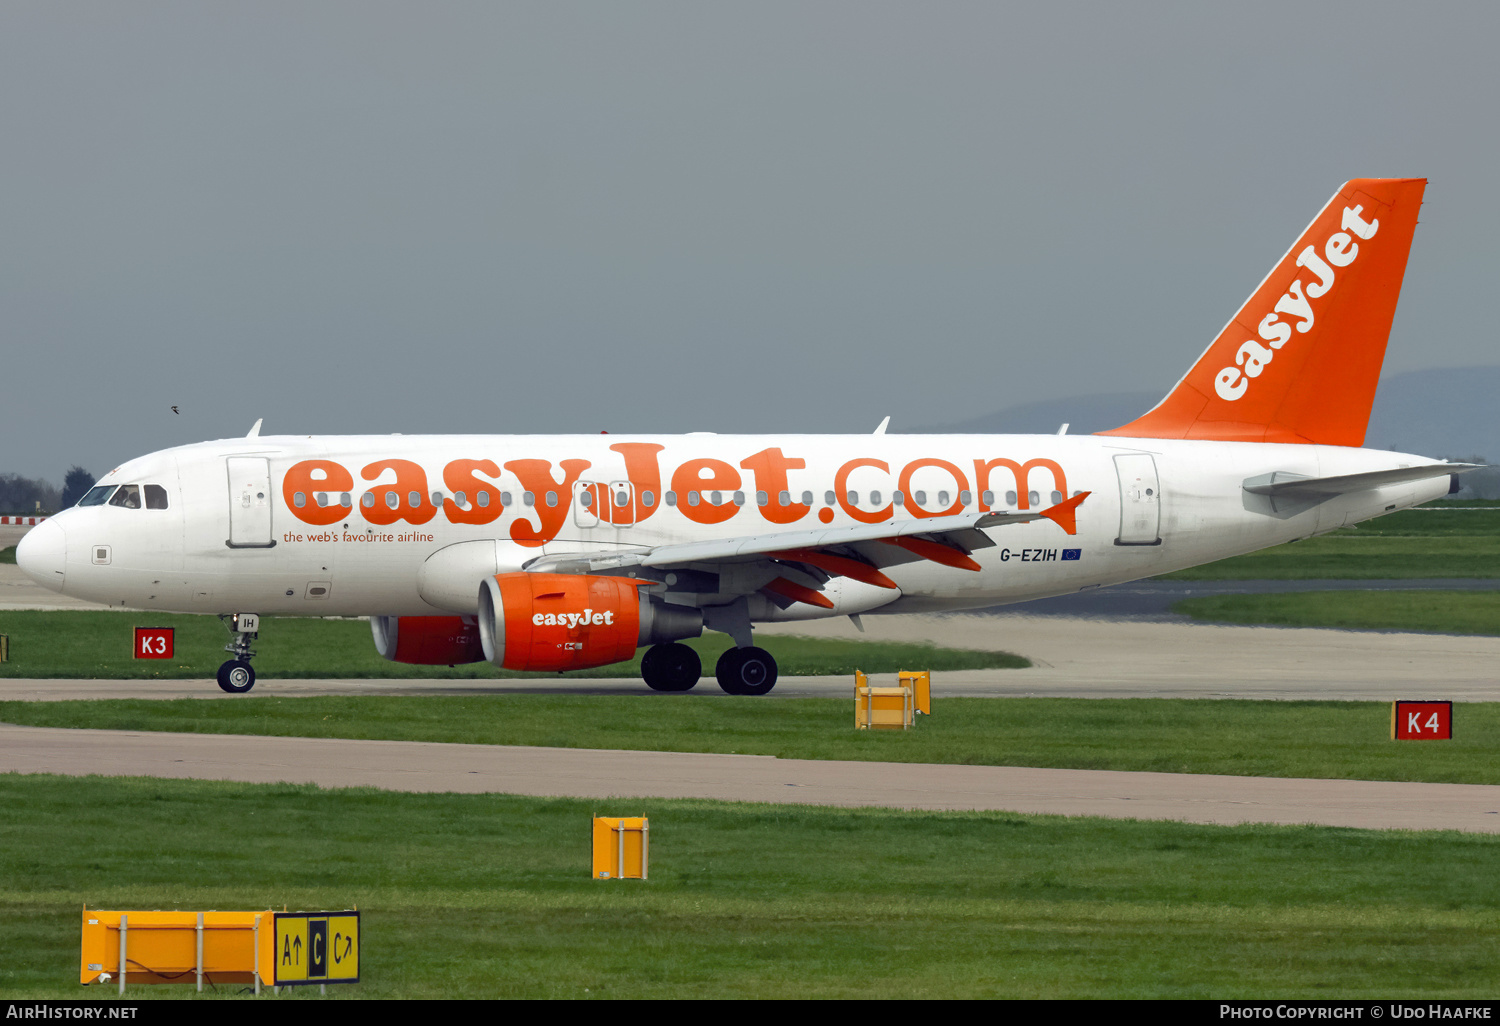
column 1282, row 484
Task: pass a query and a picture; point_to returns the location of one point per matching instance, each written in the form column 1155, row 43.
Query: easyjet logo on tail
column 1340, row 250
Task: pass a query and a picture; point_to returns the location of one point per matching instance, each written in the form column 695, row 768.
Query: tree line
column 22, row 495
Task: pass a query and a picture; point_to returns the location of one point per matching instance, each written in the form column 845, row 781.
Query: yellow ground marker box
column 622, row 847
column 877, row 708
column 219, row 947
column 920, row 682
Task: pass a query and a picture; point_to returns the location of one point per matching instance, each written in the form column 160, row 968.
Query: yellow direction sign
column 316, row 947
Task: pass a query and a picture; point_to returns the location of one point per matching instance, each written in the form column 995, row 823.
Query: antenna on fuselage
column 255, row 429
column 881, row 429
column 1064, row 429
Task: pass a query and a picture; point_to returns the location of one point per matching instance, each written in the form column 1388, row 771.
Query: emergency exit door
column 1140, row 500
column 250, row 502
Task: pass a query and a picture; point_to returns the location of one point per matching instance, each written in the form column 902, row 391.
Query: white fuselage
column 226, row 543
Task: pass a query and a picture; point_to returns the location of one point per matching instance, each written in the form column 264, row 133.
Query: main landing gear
column 236, row 675
column 746, row 671
column 674, row 667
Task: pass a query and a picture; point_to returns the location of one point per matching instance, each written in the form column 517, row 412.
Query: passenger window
column 898, row 497
column 1010, row 498
column 717, row 498
column 483, row 498
column 345, row 500
column 807, row 498
column 692, row 498
column 393, row 500
column 874, row 498
column 739, row 498
column 96, row 496
column 671, row 498
column 128, row 497
column 763, row 499
column 586, row 498
column 299, row 500
column 529, row 498
column 506, row 499
column 367, row 500
column 943, row 499
column 156, row 497
column 830, row 499
column 988, row 497
column 437, row 498
column 1033, row 497
column 414, row 499
column 965, row 497
column 853, row 498
column 552, row 498
column 921, row 498
column 321, row 498
column 648, row 499
column 1056, row 498
column 461, row 500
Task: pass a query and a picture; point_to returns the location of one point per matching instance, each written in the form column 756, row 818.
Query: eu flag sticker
column 1072, row 554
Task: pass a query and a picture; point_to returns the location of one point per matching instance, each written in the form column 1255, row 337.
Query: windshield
column 96, row 496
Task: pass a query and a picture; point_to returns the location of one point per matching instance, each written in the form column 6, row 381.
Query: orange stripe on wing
column 786, row 589
column 840, row 566
column 936, row 552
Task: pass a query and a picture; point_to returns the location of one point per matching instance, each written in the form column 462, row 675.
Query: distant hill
column 1446, row 412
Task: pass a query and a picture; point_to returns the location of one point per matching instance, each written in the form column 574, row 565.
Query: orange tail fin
column 1300, row 361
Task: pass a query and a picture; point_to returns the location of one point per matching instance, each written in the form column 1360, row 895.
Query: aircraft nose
column 43, row 553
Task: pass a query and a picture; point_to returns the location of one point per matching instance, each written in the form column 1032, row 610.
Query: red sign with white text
column 1422, row 721
column 153, row 642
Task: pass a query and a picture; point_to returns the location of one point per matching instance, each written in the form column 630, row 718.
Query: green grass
column 8, row 555
column 488, row 896
column 1446, row 612
column 1427, row 542
column 99, row 644
column 1344, row 740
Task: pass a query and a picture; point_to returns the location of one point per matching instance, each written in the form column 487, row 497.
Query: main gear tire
column 746, row 671
column 673, row 667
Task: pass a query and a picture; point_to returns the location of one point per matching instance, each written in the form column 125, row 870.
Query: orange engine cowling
column 573, row 622
column 427, row 640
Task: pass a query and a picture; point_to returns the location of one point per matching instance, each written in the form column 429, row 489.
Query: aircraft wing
column 858, row 552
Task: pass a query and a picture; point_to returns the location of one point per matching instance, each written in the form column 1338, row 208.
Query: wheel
column 236, row 677
column 673, row 667
column 746, row 671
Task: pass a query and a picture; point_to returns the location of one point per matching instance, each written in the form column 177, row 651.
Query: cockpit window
column 96, row 496
column 156, row 497
column 128, row 496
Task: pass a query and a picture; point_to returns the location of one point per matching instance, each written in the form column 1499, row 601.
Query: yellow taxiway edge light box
column 162, row 947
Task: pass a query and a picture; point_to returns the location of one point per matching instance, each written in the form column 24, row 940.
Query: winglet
column 1063, row 514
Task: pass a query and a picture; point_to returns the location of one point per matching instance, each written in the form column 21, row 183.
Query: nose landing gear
column 235, row 675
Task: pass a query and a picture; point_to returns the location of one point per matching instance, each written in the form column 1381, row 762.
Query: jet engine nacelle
column 574, row 621
column 427, row 640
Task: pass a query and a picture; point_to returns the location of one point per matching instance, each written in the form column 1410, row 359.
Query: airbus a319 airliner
column 566, row 552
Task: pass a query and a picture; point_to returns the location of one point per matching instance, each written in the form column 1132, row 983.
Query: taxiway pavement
column 589, row 773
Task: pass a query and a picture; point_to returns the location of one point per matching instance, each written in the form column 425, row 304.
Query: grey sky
column 639, row 216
